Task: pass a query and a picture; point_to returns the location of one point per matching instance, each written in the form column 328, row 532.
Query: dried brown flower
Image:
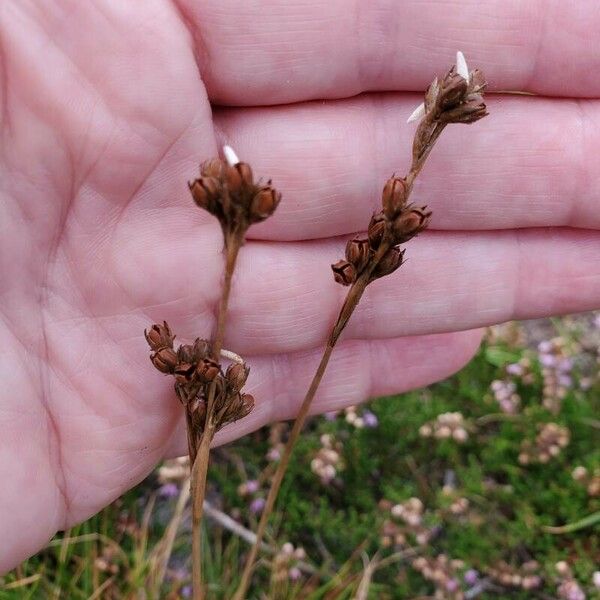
column 358, row 253
column 264, row 203
column 159, row 336
column 377, row 228
column 390, row 261
column 165, row 360
column 184, row 372
column 195, row 371
column 236, row 376
column 207, row 369
column 344, row 272
column 228, row 191
column 395, row 195
column 410, row 222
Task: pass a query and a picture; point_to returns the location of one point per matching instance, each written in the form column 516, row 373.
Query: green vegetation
column 506, row 497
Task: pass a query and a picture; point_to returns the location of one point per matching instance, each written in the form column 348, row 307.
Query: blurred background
column 486, row 485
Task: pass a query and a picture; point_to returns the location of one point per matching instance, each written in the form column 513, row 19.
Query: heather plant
column 501, row 526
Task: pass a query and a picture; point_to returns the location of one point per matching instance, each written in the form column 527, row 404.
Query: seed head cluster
column 194, row 368
column 456, row 98
column 230, row 193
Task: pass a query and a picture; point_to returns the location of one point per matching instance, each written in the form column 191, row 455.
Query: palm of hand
column 105, row 117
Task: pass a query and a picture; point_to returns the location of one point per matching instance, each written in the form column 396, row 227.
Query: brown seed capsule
column 376, row 230
column 264, row 203
column 185, row 354
column 213, row 168
column 184, row 372
column 245, row 172
column 478, row 82
column 358, row 253
column 238, row 177
column 236, row 376
column 432, row 94
column 165, row 360
column 467, row 112
column 452, row 91
column 391, row 260
column 201, row 349
column 205, row 192
column 247, row 405
column 159, row 336
column 207, row 369
column 344, row 272
column 238, row 407
column 395, row 194
column 409, row 223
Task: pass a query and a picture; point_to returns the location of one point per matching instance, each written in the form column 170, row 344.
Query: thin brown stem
column 232, row 249
column 280, row 472
column 200, row 464
column 198, row 488
column 425, row 149
column 190, row 436
column 354, row 295
column 352, row 299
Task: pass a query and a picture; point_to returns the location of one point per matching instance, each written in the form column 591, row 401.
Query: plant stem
column 352, row 299
column 354, row 295
column 232, row 249
column 198, row 488
column 233, row 244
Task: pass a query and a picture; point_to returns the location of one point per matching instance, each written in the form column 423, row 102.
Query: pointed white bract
column 417, row 114
column 230, row 156
column 461, row 66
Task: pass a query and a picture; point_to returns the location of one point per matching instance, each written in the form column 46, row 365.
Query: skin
column 106, row 109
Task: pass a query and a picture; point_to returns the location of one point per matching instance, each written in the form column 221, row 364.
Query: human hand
column 105, row 115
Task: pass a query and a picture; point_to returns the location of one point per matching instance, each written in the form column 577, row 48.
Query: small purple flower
column 497, row 385
column 545, row 347
column 168, row 490
column 507, row 406
column 471, row 577
column 570, row 590
column 273, row 455
column 565, row 381
column 451, row 585
column 294, row 574
column 565, row 365
column 548, row 360
column 257, row 505
column 514, row 369
column 575, row 594
column 370, row 419
column 180, row 575
column 186, row 591
column 252, row 486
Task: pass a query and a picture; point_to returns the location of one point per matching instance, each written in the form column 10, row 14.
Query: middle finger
column 529, row 164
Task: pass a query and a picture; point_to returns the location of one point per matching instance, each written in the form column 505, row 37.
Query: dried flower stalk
column 457, row 98
column 212, row 397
